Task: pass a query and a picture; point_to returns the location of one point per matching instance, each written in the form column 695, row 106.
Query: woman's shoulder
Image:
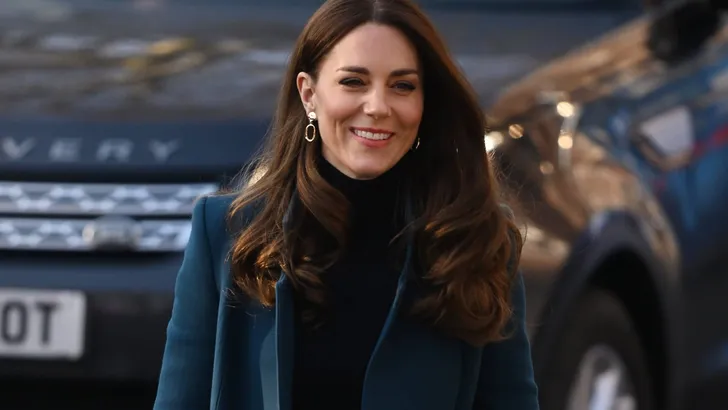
column 213, row 207
column 211, row 211
column 216, row 213
column 216, row 205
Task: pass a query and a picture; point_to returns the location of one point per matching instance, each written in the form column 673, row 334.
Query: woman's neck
column 372, row 200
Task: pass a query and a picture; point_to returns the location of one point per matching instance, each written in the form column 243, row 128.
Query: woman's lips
column 372, row 137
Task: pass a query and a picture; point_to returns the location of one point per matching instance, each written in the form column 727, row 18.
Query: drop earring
column 310, row 133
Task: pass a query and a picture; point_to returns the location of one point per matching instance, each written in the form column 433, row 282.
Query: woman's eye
column 351, row 82
column 405, row 86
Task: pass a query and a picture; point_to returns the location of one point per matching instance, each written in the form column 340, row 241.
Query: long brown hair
column 464, row 242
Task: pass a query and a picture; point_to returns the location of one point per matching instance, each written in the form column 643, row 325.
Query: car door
column 679, row 136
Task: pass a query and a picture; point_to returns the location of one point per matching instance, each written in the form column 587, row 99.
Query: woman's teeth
column 372, row 135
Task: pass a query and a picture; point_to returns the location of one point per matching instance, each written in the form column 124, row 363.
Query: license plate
column 40, row 324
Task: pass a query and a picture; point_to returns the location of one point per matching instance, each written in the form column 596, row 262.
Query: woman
column 370, row 265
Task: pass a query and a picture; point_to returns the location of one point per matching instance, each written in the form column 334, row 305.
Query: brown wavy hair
column 463, row 238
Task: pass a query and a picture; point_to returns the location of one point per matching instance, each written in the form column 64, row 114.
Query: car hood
column 155, row 59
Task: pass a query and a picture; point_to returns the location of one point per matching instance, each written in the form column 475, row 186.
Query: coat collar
column 380, row 390
column 285, row 339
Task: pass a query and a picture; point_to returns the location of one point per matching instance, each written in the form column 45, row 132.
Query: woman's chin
column 368, row 171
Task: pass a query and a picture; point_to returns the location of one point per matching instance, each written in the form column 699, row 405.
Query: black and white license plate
column 42, row 324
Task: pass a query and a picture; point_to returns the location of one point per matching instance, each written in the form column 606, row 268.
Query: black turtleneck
column 331, row 360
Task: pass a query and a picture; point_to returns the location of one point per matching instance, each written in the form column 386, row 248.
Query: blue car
column 617, row 152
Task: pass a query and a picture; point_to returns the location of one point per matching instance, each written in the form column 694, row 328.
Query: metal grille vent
column 88, row 217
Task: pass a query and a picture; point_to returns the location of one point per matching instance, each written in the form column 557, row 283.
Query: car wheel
column 599, row 362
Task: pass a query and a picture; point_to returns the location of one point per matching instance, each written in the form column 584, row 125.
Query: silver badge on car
column 113, row 232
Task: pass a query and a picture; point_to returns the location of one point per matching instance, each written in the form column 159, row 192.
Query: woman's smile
column 372, row 137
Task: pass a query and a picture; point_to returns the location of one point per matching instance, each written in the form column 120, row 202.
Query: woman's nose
column 376, row 104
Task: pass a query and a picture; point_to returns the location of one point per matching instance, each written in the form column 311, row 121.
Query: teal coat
column 231, row 355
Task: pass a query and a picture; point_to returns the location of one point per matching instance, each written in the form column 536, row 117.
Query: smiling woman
column 373, row 265
column 368, row 99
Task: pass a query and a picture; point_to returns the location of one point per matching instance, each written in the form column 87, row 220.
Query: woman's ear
column 305, row 85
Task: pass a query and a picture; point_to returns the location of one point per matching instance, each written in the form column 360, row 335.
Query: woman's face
column 368, row 100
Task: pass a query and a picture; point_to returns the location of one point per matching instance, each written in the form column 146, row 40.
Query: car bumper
column 124, row 341
column 128, row 303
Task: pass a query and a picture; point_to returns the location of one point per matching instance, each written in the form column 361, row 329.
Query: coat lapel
column 412, row 366
column 277, row 375
column 284, row 342
column 276, row 358
column 415, row 369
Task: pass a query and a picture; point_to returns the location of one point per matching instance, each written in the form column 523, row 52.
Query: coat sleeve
column 506, row 374
column 186, row 374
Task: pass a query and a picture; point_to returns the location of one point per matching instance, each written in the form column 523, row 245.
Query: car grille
column 83, row 217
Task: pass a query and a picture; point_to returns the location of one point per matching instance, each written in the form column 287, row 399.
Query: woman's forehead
column 376, row 47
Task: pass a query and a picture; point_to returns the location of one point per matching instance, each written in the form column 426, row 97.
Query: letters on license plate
column 42, row 324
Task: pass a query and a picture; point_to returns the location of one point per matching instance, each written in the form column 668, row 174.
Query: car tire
column 598, row 336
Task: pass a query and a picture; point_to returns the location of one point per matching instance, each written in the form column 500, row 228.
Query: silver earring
column 310, row 133
column 416, row 145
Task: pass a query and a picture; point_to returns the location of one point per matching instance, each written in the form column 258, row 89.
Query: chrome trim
column 71, row 199
column 43, row 234
column 602, row 382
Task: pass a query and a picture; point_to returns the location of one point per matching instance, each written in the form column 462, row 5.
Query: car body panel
column 613, row 150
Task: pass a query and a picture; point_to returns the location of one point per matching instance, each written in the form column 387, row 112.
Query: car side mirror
column 680, row 31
